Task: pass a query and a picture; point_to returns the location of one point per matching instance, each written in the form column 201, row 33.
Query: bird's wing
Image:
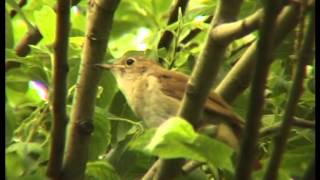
column 173, row 84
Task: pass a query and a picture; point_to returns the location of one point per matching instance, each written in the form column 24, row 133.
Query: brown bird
column 154, row 94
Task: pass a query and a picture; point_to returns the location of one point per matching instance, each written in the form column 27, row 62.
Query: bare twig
column 152, row 171
column 32, row 37
column 194, row 32
column 99, row 25
column 190, row 166
column 230, row 31
column 12, row 65
column 59, row 93
column 239, row 77
column 297, row 122
column 304, row 56
column 251, row 131
column 167, row 36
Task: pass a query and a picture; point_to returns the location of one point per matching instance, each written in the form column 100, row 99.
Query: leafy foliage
column 178, row 133
column 138, row 26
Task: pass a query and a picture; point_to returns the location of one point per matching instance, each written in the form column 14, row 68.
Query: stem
column 199, row 84
column 239, row 77
column 59, row 94
column 100, row 19
column 304, row 56
column 167, row 36
column 251, row 131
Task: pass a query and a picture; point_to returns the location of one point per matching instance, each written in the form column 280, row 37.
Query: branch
column 231, row 31
column 190, row 166
column 199, row 84
column 298, row 122
column 167, row 36
column 193, row 33
column 304, row 56
column 251, row 130
column 32, row 37
column 11, row 65
column 20, row 4
column 152, row 171
column 239, row 77
column 59, row 93
column 100, row 19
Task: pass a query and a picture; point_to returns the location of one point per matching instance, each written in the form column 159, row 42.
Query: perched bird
column 154, row 94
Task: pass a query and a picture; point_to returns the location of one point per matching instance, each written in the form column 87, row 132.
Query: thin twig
column 167, row 36
column 304, row 56
column 230, row 31
column 238, row 78
column 99, row 25
column 59, row 95
column 248, row 147
column 297, row 122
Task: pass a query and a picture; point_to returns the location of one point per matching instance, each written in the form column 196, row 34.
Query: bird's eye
column 130, row 61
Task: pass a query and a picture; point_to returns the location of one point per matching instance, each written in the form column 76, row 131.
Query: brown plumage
column 215, row 105
column 154, row 94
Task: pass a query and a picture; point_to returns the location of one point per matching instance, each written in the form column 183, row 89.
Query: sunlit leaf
column 45, row 20
column 176, row 138
column 97, row 170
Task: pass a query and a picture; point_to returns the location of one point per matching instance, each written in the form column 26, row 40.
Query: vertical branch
column 100, row 19
column 251, row 130
column 199, row 84
column 304, row 56
column 167, row 36
column 59, row 89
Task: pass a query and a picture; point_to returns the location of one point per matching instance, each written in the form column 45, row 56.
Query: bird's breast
column 149, row 102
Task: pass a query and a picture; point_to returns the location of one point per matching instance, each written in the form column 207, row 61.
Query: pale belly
column 148, row 102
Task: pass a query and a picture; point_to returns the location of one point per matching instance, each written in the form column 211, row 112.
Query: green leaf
column 98, row 170
column 176, row 138
column 174, row 130
column 21, row 159
column 8, row 33
column 101, row 137
column 140, row 142
column 133, row 164
column 110, row 88
column 11, row 123
column 120, row 108
column 45, row 20
column 16, row 7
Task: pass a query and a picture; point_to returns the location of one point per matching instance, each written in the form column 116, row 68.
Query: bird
column 154, row 94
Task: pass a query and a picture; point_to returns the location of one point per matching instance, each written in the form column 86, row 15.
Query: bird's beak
column 105, row 66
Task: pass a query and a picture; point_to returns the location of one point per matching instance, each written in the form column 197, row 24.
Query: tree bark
column 100, row 19
column 59, row 94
